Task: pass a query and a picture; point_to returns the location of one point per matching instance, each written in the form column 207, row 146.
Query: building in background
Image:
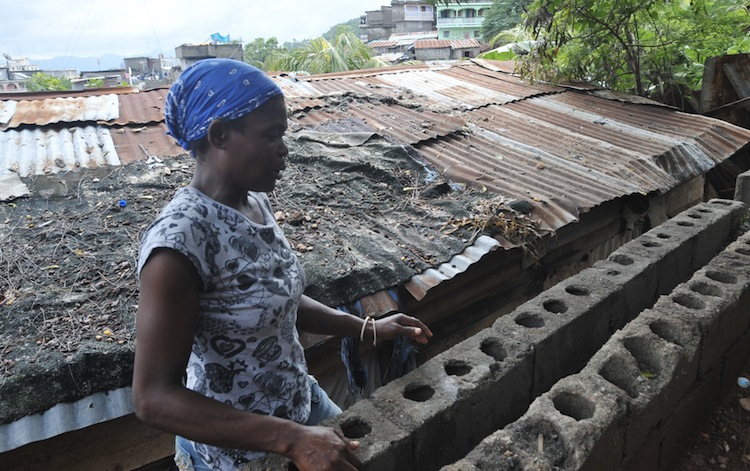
column 401, row 17
column 188, row 54
column 461, row 20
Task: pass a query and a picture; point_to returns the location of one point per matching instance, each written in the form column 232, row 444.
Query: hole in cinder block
column 706, row 289
column 650, row 243
column 418, row 392
column 662, row 235
column 721, row 277
column 355, row 427
column 694, row 216
column 457, row 368
column 720, row 202
column 574, row 405
column 612, row 272
column 622, row 259
column 529, row 320
column 577, row 290
column 644, row 352
column 668, row 331
column 618, row 371
column 492, row 347
column 688, row 301
column 685, row 223
column 704, row 210
column 555, row 306
column 743, row 251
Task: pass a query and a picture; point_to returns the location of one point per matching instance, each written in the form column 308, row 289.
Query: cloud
column 48, row 28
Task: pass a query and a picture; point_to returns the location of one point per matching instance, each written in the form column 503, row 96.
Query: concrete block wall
column 642, row 395
column 477, row 393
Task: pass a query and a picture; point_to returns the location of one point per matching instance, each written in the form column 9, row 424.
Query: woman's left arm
column 317, row 318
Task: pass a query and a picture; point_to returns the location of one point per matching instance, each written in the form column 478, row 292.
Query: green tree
column 319, row 56
column 40, row 82
column 651, row 48
column 502, row 16
column 353, row 24
column 95, row 83
column 256, row 52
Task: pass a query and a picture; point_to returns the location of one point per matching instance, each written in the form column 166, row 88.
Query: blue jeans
column 322, row 408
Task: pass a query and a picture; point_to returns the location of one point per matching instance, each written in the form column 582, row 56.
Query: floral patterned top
column 246, row 351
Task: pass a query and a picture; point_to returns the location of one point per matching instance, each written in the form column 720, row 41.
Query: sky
column 43, row 29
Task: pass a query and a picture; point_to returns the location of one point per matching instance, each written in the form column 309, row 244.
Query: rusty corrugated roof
column 64, row 110
column 566, row 150
column 395, row 122
column 445, row 43
column 142, row 108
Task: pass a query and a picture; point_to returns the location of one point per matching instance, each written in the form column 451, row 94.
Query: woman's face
column 256, row 149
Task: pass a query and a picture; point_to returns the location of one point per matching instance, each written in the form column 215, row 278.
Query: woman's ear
column 217, row 133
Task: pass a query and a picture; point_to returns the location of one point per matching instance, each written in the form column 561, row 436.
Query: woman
column 221, row 292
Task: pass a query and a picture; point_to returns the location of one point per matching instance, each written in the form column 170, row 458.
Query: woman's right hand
column 322, row 449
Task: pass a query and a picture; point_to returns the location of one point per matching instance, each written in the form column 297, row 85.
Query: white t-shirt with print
column 246, row 351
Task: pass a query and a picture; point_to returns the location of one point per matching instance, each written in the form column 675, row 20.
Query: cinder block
column 635, row 280
column 573, row 318
column 383, row 445
column 450, row 403
column 714, row 300
column 497, row 452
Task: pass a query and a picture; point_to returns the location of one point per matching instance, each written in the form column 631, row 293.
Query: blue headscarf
column 214, row 89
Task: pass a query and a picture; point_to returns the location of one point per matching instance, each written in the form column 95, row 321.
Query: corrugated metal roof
column 142, row 108
column 395, row 122
column 94, row 409
column 7, row 108
column 139, row 143
column 564, row 150
column 403, row 42
column 65, row 110
column 444, row 89
column 42, row 151
column 432, row 44
column 567, row 150
column 444, row 43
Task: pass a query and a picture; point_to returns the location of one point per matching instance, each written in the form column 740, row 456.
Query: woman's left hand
column 401, row 324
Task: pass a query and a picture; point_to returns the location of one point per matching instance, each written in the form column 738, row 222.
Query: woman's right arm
column 165, row 326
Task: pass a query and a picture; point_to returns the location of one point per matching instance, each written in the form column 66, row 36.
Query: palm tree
column 319, row 56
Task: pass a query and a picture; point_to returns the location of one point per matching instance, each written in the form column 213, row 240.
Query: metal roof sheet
column 443, row 43
column 66, row 417
column 395, row 122
column 42, row 151
column 445, row 89
column 566, row 151
column 143, row 142
column 142, row 108
column 65, row 110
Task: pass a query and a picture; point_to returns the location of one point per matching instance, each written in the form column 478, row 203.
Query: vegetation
column 503, row 15
column 320, row 56
column 652, row 48
column 352, row 24
column 95, row 83
column 256, row 52
column 40, row 82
